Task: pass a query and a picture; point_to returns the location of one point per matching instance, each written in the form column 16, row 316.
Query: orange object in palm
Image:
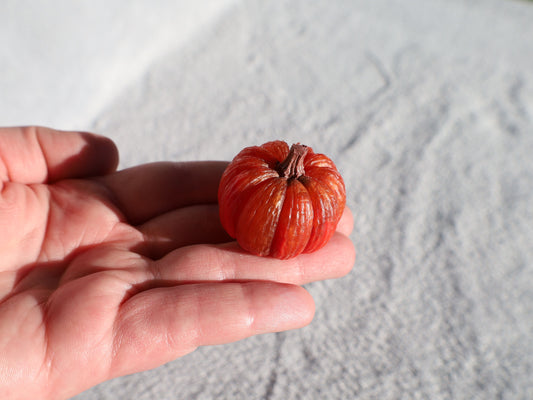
column 281, row 202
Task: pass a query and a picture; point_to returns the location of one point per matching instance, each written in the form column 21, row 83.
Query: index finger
column 147, row 191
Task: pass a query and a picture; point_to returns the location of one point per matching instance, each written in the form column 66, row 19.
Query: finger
column 43, row 155
column 230, row 262
column 146, row 191
column 112, row 257
column 345, row 224
column 196, row 225
column 158, row 325
column 182, row 227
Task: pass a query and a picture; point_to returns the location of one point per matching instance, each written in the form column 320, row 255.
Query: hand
column 106, row 273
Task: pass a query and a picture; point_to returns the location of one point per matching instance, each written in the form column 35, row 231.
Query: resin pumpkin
column 281, row 202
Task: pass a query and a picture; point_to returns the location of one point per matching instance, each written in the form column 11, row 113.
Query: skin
column 106, row 273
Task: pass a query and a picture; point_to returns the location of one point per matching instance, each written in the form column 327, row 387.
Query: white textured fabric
column 425, row 106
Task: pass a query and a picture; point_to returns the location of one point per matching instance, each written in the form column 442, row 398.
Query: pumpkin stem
column 293, row 166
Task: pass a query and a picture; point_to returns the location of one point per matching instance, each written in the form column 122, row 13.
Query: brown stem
column 293, row 165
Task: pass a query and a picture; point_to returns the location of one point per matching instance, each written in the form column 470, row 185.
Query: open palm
column 106, row 273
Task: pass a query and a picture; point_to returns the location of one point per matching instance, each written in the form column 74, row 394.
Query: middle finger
column 228, row 262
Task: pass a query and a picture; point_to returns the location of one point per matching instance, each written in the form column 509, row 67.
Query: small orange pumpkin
column 281, row 202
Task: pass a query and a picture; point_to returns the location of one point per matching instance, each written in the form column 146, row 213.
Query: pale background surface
column 425, row 106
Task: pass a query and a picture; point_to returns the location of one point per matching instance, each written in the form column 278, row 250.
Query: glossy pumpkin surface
column 279, row 201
